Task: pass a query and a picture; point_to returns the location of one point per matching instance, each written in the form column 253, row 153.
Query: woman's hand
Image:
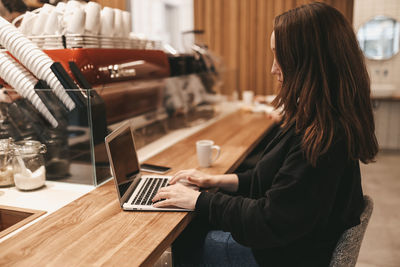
column 195, row 177
column 227, row 182
column 275, row 116
column 176, row 195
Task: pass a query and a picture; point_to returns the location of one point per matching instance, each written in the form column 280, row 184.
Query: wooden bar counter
column 93, row 230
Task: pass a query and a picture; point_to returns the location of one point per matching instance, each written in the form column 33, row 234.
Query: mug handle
column 15, row 20
column 22, row 16
column 218, row 152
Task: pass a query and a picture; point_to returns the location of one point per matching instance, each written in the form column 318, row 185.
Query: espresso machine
column 110, row 85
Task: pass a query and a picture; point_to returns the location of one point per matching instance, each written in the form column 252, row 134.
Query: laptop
column 135, row 191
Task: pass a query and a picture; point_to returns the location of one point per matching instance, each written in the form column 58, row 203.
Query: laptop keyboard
column 149, row 190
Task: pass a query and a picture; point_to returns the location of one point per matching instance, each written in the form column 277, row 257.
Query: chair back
column 348, row 246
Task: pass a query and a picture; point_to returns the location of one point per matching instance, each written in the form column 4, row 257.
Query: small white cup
column 248, row 97
column 47, row 8
column 44, row 68
column 39, row 67
column 13, row 39
column 41, row 20
column 107, row 22
column 40, row 23
column 60, row 7
column 204, row 150
column 76, row 21
column 26, row 52
column 53, row 25
column 28, row 19
column 8, row 69
column 72, row 5
column 126, row 18
column 92, row 22
column 119, row 30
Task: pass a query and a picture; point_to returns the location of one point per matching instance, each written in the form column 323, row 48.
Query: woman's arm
column 297, row 200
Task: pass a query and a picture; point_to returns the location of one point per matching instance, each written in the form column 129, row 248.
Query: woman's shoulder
column 336, row 150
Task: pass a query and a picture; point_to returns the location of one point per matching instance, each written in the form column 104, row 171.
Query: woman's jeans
column 200, row 246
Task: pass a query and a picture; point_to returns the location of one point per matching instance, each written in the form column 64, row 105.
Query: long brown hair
column 326, row 87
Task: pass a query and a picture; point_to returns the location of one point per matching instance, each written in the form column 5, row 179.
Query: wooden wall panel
column 244, row 59
column 112, row 3
column 239, row 32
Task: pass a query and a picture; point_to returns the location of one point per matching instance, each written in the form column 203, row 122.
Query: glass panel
column 154, row 108
column 66, row 134
column 379, row 38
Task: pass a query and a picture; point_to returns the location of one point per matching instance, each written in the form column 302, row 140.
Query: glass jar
column 57, row 156
column 29, row 165
column 6, row 166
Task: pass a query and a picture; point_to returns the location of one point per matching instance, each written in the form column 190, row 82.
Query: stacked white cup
column 75, row 17
column 33, row 59
column 24, row 83
column 41, row 19
column 28, row 19
column 107, row 22
column 126, row 18
column 54, row 23
column 118, row 23
column 92, row 22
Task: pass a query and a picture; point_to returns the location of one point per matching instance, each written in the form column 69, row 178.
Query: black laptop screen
column 124, row 159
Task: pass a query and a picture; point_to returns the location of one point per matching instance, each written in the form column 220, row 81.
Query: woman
column 291, row 208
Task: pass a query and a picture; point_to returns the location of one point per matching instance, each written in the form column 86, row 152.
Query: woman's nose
column 274, row 69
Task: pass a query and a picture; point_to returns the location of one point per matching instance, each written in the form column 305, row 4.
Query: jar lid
column 29, row 147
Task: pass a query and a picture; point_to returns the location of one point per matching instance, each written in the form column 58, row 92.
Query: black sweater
column 289, row 212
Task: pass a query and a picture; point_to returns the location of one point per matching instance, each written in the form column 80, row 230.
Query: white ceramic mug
column 47, row 8
column 204, row 150
column 92, row 22
column 75, row 21
column 40, row 23
column 126, row 18
column 27, row 20
column 74, row 17
column 107, row 22
column 42, row 18
column 53, row 25
column 60, row 7
column 73, row 4
column 248, row 97
column 119, row 30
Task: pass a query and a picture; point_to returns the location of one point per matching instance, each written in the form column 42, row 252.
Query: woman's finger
column 176, row 178
column 164, row 203
column 181, row 175
column 160, row 195
column 167, row 192
column 195, row 180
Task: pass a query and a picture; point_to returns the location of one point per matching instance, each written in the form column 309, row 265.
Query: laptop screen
column 124, row 159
